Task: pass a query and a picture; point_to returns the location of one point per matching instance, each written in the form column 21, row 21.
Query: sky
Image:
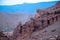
column 14, row 2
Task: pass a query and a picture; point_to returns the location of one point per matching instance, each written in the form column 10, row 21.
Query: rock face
column 3, row 37
column 40, row 13
column 40, row 21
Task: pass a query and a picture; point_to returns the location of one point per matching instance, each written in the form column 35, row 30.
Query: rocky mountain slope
column 31, row 30
column 44, row 27
column 9, row 21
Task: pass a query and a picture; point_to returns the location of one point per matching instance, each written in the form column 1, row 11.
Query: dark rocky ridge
column 3, row 36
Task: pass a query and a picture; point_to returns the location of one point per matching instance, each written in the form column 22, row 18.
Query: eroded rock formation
column 3, row 36
column 42, row 19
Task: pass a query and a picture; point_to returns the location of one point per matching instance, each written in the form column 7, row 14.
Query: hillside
column 38, row 28
column 45, row 25
column 9, row 21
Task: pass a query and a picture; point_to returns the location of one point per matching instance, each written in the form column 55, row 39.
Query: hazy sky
column 13, row 2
